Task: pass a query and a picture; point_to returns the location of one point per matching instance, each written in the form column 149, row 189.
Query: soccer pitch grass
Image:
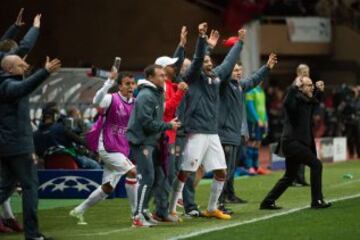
column 111, row 218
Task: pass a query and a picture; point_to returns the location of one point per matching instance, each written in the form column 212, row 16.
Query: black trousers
column 300, row 176
column 231, row 155
column 297, row 153
column 21, row 168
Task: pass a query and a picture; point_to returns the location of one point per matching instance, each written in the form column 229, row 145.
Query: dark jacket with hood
column 232, row 105
column 202, row 98
column 146, row 121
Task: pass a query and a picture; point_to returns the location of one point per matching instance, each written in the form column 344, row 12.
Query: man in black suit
column 297, row 142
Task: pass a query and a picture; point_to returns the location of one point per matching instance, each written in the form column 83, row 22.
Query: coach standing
column 16, row 138
column 297, row 142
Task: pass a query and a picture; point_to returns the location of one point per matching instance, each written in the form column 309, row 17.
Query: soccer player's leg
column 214, row 160
column 195, row 149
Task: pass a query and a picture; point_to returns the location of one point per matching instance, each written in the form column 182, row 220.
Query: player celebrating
column 112, row 144
column 203, row 145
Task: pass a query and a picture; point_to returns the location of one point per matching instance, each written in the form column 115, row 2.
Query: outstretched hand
column 272, row 61
column 52, row 65
column 214, row 38
column 37, row 21
column 19, row 21
column 183, row 36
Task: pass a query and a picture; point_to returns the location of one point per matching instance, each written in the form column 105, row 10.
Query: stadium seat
column 60, row 161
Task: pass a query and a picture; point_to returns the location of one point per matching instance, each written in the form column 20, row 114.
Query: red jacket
column 173, row 98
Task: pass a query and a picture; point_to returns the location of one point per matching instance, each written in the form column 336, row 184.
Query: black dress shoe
column 235, row 200
column 320, row 204
column 269, row 206
column 225, row 210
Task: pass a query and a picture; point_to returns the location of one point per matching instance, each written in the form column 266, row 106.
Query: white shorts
column 203, row 149
column 115, row 166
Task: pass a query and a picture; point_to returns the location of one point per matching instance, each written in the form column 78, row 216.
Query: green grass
column 111, row 219
column 339, row 222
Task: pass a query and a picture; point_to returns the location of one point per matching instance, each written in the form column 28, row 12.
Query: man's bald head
column 14, row 65
column 307, row 86
column 303, row 70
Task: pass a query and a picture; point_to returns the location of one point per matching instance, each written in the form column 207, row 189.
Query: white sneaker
column 149, row 217
column 140, row 221
column 79, row 216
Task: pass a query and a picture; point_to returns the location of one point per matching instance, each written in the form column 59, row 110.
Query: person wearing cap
column 174, row 92
column 16, row 142
column 203, row 146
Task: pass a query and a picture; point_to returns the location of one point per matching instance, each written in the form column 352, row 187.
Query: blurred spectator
column 53, row 135
column 275, row 112
column 75, row 121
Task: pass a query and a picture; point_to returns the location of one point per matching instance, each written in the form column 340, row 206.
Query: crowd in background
column 340, row 11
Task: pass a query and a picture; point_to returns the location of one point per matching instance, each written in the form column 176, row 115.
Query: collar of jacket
column 144, row 83
column 5, row 75
column 305, row 98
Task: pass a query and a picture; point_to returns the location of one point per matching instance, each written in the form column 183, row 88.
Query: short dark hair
column 150, row 70
column 123, row 75
column 7, row 45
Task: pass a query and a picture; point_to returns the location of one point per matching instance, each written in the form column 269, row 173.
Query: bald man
column 297, row 142
column 302, row 70
column 16, row 141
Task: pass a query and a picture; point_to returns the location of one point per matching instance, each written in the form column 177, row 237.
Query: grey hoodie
column 145, row 124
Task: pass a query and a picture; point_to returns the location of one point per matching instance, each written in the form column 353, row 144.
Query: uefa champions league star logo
column 69, row 182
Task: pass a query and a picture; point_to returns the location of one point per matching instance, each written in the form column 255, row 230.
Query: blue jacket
column 202, row 98
column 16, row 135
column 232, row 106
column 10, row 33
column 26, row 44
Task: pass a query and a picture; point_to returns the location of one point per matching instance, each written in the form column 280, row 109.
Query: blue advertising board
column 68, row 184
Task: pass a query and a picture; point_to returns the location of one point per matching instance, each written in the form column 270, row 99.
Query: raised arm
column 29, row 40
column 14, row 29
column 225, row 68
column 16, row 89
column 180, row 50
column 194, row 70
column 102, row 98
column 259, row 76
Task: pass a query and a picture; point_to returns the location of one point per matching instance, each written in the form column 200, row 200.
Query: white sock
column 216, row 189
column 96, row 196
column 7, row 211
column 131, row 187
column 176, row 193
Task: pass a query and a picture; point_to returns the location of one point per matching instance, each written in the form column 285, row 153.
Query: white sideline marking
column 208, row 230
